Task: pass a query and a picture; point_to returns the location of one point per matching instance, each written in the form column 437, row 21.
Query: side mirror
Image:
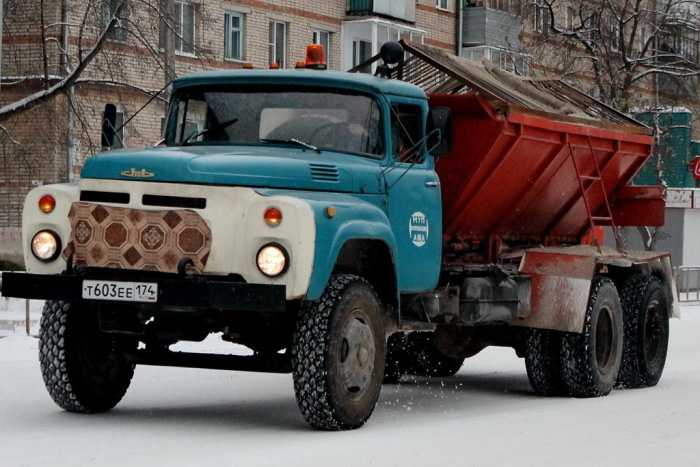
column 439, row 131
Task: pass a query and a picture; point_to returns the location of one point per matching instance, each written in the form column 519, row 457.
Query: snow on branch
column 65, row 83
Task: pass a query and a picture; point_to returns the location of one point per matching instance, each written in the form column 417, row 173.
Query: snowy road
column 485, row 415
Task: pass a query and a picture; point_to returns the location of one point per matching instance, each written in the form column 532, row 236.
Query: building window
column 184, row 28
column 112, row 128
column 614, row 36
column 109, row 9
column 443, row 4
column 278, row 32
column 540, row 17
column 569, row 14
column 233, row 35
column 323, row 38
column 361, row 52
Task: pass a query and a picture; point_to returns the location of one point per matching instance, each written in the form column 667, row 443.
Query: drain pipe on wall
column 460, row 24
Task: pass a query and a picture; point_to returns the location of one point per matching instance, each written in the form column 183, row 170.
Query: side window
column 191, row 120
column 406, row 132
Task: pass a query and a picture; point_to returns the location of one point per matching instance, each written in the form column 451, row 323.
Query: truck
column 350, row 229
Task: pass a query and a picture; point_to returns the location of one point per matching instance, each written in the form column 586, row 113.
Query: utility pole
column 167, row 32
column 70, row 95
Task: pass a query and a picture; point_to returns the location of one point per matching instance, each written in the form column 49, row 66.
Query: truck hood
column 253, row 166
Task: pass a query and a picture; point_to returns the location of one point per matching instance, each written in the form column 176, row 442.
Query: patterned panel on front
column 114, row 237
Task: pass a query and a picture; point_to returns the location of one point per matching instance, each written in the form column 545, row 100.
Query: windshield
column 306, row 117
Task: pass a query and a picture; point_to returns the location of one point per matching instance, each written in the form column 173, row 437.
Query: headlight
column 46, row 245
column 272, row 260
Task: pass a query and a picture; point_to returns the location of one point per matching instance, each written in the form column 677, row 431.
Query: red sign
column 696, row 168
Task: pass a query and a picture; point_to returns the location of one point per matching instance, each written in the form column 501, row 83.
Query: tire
column 543, row 362
column 591, row 360
column 338, row 355
column 84, row 370
column 645, row 307
column 426, row 359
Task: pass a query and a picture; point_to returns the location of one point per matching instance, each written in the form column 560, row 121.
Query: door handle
column 432, row 184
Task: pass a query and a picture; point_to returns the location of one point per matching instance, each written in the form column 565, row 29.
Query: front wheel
column 84, row 370
column 645, row 307
column 338, row 355
column 591, row 360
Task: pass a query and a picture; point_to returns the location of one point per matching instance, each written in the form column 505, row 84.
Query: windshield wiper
column 293, row 141
column 218, row 127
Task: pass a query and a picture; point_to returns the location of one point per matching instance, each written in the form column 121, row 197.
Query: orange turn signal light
column 47, row 203
column 273, row 217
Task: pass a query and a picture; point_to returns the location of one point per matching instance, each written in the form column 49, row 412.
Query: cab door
column 413, row 200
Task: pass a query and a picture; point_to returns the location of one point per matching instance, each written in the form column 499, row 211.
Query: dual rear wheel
column 623, row 344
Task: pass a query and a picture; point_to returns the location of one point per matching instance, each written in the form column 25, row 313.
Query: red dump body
column 520, row 176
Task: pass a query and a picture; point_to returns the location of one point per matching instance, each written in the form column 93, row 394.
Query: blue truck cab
column 287, row 210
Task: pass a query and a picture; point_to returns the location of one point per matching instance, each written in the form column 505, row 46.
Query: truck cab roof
column 303, row 77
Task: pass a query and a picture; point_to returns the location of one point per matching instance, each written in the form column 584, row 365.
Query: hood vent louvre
column 324, row 173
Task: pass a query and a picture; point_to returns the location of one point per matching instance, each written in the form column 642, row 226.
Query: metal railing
column 688, row 280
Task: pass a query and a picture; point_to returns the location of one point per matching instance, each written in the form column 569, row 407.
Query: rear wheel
column 338, row 355
column 84, row 370
column 591, row 360
column 543, row 362
column 645, row 308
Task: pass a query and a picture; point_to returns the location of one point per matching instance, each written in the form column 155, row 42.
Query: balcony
column 398, row 9
column 490, row 27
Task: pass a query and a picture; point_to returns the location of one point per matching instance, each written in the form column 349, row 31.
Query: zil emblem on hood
column 143, row 173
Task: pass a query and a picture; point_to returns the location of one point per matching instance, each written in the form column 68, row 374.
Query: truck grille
column 146, row 200
column 122, row 238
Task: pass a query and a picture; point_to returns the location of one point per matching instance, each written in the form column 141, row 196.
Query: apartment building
column 120, row 98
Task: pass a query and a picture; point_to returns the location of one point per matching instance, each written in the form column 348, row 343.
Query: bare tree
column 626, row 46
column 69, row 56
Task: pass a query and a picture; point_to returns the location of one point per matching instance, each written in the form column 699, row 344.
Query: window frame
column 118, row 34
column 274, row 40
column 316, row 39
column 442, row 5
column 229, row 30
column 180, row 40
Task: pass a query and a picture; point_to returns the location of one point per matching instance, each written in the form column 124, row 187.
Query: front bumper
column 189, row 292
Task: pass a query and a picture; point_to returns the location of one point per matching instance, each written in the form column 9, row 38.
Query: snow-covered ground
column 485, row 415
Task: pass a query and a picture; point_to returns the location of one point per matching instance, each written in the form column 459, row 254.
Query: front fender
column 339, row 219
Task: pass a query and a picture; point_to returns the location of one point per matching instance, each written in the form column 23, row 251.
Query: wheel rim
column 356, row 355
column 604, row 340
column 653, row 332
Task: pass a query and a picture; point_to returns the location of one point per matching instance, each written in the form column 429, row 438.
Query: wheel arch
column 362, row 244
column 561, row 282
column 372, row 260
column 660, row 268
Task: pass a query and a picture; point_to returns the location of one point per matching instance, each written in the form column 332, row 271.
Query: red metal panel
column 511, row 175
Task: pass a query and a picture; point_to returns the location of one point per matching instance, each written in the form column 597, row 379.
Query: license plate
column 120, row 291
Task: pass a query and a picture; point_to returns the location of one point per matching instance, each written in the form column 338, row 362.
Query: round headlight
column 272, row 260
column 46, row 245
